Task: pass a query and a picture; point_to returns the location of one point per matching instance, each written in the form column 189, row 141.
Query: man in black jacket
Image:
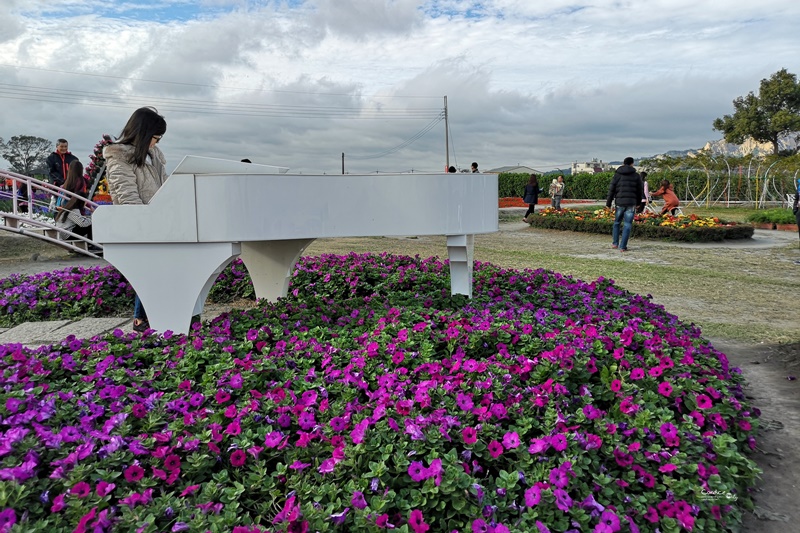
column 626, row 191
column 58, row 163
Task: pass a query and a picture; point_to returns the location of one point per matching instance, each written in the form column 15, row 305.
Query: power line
column 45, row 94
column 402, row 145
column 186, row 84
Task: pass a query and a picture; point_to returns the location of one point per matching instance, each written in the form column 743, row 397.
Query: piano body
column 210, row 211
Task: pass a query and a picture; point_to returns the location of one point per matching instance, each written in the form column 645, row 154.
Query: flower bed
column 691, row 228
column 516, row 201
column 370, row 399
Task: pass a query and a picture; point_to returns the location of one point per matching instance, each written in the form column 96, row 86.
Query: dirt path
column 743, row 294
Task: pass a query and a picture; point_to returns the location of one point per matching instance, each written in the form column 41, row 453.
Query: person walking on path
column 626, row 192
column 136, row 170
column 531, row 195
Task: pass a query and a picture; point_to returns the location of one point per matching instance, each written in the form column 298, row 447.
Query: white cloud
column 298, row 83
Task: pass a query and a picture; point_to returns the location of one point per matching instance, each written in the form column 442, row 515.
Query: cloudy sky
column 298, row 82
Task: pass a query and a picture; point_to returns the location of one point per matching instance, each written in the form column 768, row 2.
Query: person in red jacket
column 670, row 198
column 58, row 163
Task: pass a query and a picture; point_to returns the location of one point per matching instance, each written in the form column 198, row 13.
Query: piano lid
column 195, row 164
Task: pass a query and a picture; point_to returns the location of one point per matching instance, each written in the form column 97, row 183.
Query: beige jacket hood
column 129, row 184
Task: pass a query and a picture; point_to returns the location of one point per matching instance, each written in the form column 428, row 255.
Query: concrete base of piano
column 173, row 279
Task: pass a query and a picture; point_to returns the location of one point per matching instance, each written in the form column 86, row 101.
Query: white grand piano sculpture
column 210, row 210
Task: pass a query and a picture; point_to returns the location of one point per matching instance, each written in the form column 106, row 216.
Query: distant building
column 592, row 167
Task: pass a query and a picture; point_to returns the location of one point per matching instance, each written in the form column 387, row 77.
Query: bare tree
column 25, row 153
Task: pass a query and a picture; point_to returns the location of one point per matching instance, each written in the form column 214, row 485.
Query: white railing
column 32, row 216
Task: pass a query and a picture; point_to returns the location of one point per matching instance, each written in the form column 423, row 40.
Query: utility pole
column 342, row 163
column 446, row 137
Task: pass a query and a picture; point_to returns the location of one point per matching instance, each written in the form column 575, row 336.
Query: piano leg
column 460, row 251
column 270, row 264
column 171, row 279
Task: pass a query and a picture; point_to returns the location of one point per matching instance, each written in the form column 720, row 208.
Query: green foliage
column 766, row 117
column 511, row 185
column 25, row 153
column 774, row 216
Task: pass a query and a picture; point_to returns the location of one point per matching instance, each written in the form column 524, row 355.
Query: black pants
column 530, row 210
column 83, row 232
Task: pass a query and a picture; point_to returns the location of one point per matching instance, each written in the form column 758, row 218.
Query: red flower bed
column 515, row 201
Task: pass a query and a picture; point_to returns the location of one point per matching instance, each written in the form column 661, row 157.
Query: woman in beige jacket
column 136, row 170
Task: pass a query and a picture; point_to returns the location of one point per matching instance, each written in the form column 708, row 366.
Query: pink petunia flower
column 133, row 473
column 665, row 389
column 511, row 440
column 470, row 435
column 238, row 458
column 189, row 490
column 495, row 449
column 533, row 495
column 417, row 522
column 81, row 489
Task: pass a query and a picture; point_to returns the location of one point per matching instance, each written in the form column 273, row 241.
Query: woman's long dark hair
column 534, row 180
column 74, row 184
column 144, row 123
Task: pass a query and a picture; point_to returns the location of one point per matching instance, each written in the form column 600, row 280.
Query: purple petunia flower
column 339, row 518
column 358, row 500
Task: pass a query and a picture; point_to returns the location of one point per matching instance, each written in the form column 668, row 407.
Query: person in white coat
column 136, row 170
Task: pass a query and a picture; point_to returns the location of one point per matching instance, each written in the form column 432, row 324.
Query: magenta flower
column 533, row 495
column 358, row 500
column 637, row 374
column 559, row 478
column 563, row 501
column 189, row 490
column 273, row 439
column 609, row 523
column 479, row 526
column 81, row 489
column 104, row 488
column 511, row 440
column 417, row 523
column 495, row 449
column 417, row 471
column 470, row 435
column 306, row 420
column 222, row 396
column 558, row 442
column 338, row 424
column 233, row 428
column 703, row 402
column 238, row 458
column 665, row 389
column 464, row 402
column 172, row 462
column 133, row 473
column 58, row 504
column 7, row 519
column 538, row 445
column 616, row 385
